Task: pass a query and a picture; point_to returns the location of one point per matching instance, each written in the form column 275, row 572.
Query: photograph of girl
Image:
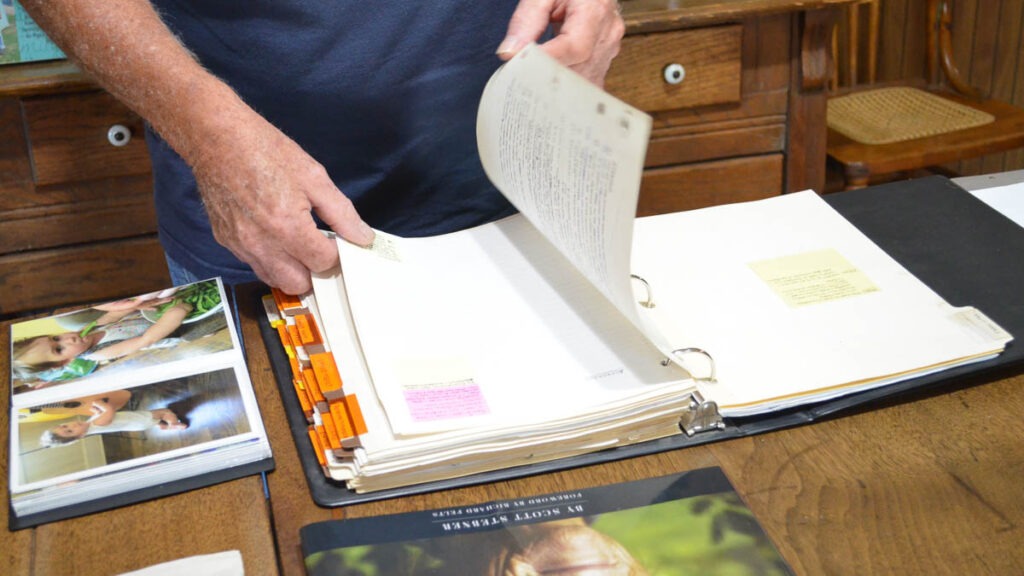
column 89, row 432
column 127, row 334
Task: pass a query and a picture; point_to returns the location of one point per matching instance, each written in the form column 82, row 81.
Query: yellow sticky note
column 813, row 277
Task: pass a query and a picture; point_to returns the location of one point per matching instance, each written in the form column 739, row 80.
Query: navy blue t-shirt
column 383, row 94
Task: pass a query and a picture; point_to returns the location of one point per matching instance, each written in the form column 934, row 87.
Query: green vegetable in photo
column 202, row 296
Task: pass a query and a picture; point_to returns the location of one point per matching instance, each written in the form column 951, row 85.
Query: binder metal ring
column 649, row 302
column 712, row 378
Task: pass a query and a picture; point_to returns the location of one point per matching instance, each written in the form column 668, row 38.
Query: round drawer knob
column 119, row 135
column 674, row 73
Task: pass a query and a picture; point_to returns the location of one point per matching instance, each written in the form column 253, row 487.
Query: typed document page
column 490, row 326
column 569, row 156
column 793, row 301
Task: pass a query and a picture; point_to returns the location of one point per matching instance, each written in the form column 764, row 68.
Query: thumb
column 338, row 212
column 528, row 22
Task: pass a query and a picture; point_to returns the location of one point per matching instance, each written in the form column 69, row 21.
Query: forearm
column 171, row 319
column 127, row 49
column 105, row 417
column 259, row 187
column 118, row 398
column 168, row 322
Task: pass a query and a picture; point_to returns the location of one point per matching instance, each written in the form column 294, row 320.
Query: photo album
column 574, row 327
column 127, row 401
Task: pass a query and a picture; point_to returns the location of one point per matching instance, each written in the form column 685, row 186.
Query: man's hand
column 587, row 33
column 259, row 189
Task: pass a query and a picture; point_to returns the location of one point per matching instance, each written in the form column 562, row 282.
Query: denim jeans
column 179, row 274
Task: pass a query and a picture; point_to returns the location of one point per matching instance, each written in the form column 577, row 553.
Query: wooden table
column 926, row 484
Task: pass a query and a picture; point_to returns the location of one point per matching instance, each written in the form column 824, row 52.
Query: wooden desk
column 744, row 118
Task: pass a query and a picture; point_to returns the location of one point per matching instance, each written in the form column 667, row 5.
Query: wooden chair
column 882, row 130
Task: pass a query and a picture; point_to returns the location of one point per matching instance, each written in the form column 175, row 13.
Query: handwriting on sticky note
column 813, row 277
column 385, row 246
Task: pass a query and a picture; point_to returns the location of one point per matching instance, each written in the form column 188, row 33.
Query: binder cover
column 959, row 246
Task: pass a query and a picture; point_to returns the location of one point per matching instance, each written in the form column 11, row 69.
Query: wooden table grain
column 926, row 484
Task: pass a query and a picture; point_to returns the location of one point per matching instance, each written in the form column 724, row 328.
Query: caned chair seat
column 884, row 131
column 899, row 113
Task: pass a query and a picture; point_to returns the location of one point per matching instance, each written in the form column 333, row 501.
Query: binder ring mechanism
column 649, row 302
column 711, row 376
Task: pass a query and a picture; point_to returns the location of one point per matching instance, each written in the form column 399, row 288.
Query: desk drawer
column 79, row 223
column 69, row 142
column 680, row 69
column 88, row 273
column 704, row 184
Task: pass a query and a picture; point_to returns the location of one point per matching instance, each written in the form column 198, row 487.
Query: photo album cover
column 132, row 394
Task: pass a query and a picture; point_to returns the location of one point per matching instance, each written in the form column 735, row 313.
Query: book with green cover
column 688, row 523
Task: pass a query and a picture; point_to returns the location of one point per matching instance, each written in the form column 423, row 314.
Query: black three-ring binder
column 959, row 246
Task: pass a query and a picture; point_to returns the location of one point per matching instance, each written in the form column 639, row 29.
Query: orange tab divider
column 314, row 439
column 326, row 372
column 332, row 432
column 285, row 301
column 307, row 329
column 312, row 385
column 296, row 369
column 286, row 339
column 355, row 413
column 341, row 420
column 322, row 435
column 303, row 396
column 293, row 335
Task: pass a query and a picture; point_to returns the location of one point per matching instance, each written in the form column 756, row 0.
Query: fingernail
column 510, row 45
column 367, row 233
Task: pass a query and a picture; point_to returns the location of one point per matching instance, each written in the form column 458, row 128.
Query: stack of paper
column 574, row 327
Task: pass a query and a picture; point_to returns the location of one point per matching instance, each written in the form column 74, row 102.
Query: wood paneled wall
column 988, row 38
